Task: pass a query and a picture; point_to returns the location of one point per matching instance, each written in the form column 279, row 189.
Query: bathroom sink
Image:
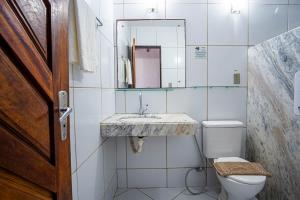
column 148, row 125
column 141, row 119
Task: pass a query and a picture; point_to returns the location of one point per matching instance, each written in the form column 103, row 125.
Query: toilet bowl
column 239, row 187
column 222, row 141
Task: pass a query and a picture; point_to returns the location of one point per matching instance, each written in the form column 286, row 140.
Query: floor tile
column 187, row 196
column 120, row 191
column 162, row 193
column 132, row 194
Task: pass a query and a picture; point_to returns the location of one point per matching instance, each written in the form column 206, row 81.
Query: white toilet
column 222, row 141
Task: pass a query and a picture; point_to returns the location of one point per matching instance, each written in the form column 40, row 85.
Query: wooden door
column 34, row 161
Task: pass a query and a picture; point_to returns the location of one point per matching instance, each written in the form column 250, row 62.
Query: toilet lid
column 246, row 179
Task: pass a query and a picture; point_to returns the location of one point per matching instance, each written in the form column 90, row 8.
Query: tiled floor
column 163, row 194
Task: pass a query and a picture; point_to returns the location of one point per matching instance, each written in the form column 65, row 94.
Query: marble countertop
column 148, row 125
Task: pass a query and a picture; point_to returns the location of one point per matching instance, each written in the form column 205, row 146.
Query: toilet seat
column 244, row 179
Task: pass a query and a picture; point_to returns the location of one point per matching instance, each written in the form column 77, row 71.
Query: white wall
column 210, row 94
column 92, row 97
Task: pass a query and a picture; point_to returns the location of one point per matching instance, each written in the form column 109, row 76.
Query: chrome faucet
column 141, row 109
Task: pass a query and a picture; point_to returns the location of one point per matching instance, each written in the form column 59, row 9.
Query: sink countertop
column 151, row 125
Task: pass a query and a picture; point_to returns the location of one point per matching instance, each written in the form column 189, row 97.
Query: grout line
column 178, row 194
column 91, row 154
column 126, row 162
column 125, row 190
column 140, row 190
column 167, row 181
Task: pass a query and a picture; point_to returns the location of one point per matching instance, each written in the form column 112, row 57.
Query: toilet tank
column 222, row 138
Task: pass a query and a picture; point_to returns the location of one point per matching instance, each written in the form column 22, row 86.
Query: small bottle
column 236, row 77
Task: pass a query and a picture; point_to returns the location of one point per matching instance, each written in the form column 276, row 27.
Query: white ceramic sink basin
column 141, row 119
column 148, row 125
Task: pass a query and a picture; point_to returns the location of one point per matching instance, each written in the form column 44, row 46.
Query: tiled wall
column 210, row 95
column 92, row 97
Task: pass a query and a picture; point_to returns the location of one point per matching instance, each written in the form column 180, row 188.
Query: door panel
column 34, row 161
column 18, row 39
column 36, row 15
column 23, row 160
column 13, row 187
column 23, row 108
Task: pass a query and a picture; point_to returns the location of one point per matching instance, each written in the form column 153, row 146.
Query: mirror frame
column 117, row 53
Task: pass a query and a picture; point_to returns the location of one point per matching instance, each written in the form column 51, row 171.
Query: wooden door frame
column 60, row 66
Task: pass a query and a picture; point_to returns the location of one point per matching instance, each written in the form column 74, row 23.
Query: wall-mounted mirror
column 151, row 53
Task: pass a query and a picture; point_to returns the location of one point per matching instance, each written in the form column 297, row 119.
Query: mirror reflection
column 151, row 53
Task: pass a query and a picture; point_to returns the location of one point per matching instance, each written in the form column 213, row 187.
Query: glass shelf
column 170, row 89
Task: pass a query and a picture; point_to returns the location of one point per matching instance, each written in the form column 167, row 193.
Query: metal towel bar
column 99, row 22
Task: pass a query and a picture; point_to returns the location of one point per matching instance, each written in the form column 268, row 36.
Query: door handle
column 64, row 112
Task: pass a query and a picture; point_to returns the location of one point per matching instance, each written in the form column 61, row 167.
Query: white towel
column 121, row 72
column 128, row 72
column 82, row 36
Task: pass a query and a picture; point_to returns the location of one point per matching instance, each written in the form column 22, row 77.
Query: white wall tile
column 132, row 101
column 196, row 68
column 110, row 161
column 122, row 178
column 156, row 101
column 95, row 6
column 189, row 1
column 74, row 186
column 294, row 1
column 106, row 15
column 294, row 16
column 190, row 157
column 134, row 1
column 227, row 104
column 118, row 14
column 196, row 20
column 71, row 82
column 87, row 103
column 141, row 178
column 266, row 21
column 193, row 101
column 88, row 112
column 152, row 156
column 72, row 132
column 118, row 1
column 91, row 177
column 120, row 102
column 269, row 1
column 176, row 177
column 141, row 11
column 225, row 28
column 107, row 63
column 121, row 152
column 222, row 63
column 108, row 103
column 86, row 79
